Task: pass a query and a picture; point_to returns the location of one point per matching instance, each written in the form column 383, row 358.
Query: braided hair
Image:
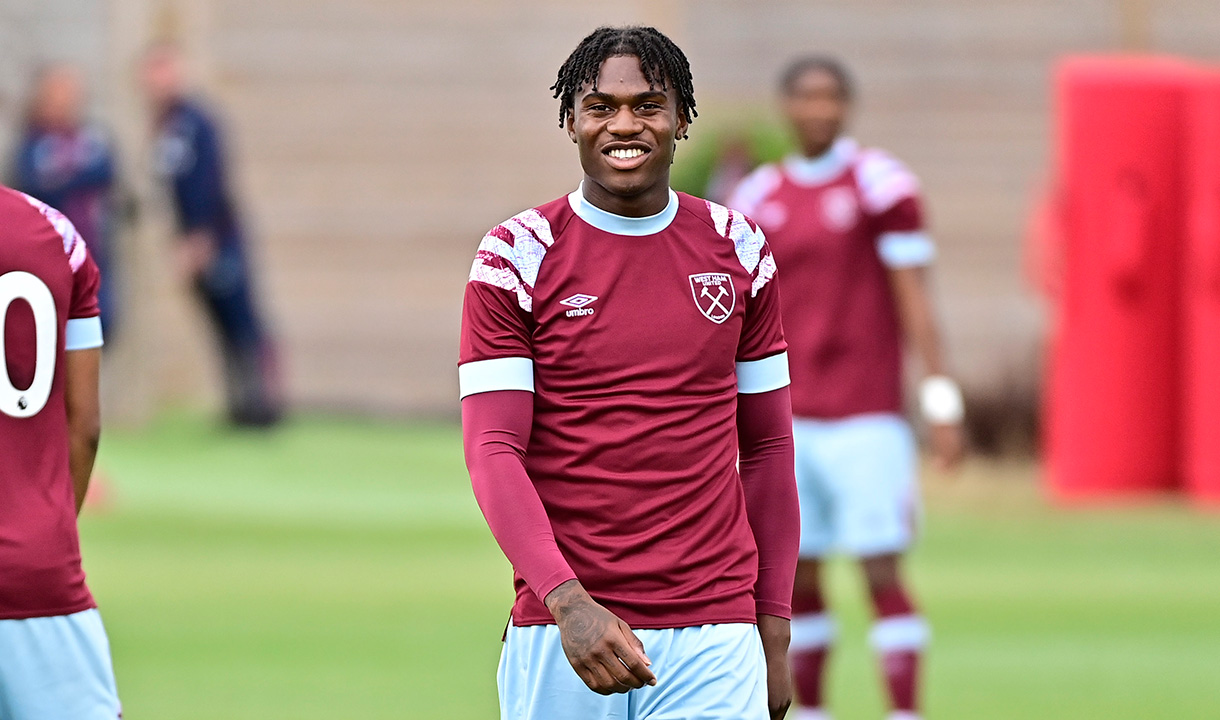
column 661, row 61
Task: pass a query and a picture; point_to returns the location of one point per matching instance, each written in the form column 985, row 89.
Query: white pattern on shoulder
column 755, row 188
column 74, row 244
column 510, row 256
column 884, row 180
column 766, row 271
column 748, row 241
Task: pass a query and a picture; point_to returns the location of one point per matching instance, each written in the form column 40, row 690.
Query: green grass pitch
column 340, row 569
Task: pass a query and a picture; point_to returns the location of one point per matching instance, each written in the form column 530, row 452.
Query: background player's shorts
column 710, row 672
column 857, row 479
column 57, row 668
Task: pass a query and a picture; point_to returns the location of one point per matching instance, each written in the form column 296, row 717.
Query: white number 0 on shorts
column 22, row 285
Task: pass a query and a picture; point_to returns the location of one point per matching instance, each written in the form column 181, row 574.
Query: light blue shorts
column 857, row 479
column 710, row 672
column 57, row 668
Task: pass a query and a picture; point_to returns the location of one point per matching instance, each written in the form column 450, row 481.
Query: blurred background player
column 54, row 656
column 734, row 161
column 846, row 226
column 69, row 164
column 619, row 346
column 211, row 251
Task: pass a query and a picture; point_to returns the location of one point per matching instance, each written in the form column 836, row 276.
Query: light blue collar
column 828, row 165
column 618, row 224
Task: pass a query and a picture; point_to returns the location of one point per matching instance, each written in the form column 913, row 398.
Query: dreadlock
column 661, row 61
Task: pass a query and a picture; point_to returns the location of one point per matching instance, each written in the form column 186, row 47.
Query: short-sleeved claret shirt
column 636, row 336
column 48, row 305
column 837, row 224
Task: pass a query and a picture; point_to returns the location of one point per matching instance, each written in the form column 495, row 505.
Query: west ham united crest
column 839, row 209
column 714, row 295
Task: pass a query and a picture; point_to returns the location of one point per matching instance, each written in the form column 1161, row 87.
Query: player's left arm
column 766, row 461
column 82, row 360
column 907, row 252
column 84, row 416
column 892, row 198
column 764, row 431
column 939, row 396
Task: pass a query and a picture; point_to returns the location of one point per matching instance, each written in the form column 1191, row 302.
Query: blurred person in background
column 54, row 656
column 734, row 161
column 69, row 163
column 846, row 225
column 211, row 252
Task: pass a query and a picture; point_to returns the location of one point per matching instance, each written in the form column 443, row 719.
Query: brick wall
column 377, row 140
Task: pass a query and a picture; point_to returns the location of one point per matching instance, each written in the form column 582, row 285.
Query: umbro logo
column 578, row 303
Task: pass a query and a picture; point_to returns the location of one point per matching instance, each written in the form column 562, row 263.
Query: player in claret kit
column 54, row 656
column 845, row 224
column 620, row 345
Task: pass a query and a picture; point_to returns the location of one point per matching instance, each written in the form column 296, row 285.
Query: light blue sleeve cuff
column 83, row 333
column 512, row 373
column 906, row 249
column 760, row 376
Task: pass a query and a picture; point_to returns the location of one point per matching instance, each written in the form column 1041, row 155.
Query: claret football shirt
column 635, row 336
column 837, row 224
column 48, row 304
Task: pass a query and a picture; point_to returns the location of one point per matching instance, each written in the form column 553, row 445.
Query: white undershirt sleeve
column 760, row 376
column 511, row 373
column 83, row 333
column 906, row 249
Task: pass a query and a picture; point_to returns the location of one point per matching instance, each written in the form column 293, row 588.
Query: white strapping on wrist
column 940, row 400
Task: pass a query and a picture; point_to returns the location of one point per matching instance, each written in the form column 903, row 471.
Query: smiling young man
column 620, row 347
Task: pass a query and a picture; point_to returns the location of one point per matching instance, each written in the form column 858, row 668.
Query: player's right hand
column 602, row 649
